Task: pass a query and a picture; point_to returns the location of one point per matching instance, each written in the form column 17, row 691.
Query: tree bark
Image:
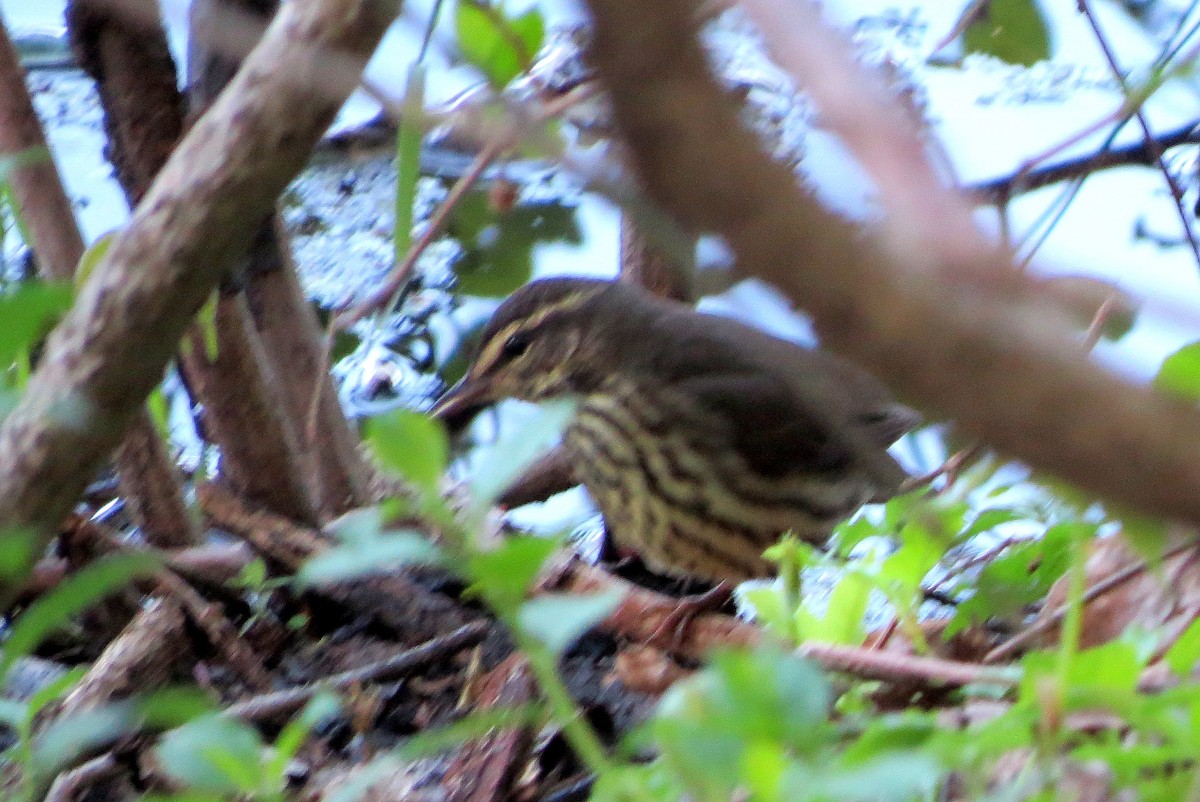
column 284, row 323
column 198, row 217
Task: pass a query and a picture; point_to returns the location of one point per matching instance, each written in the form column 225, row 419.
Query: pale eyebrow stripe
column 491, row 350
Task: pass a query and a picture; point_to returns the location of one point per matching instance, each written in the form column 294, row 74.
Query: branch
column 1142, row 152
column 926, row 302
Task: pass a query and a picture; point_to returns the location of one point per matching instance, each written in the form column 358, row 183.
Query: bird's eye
column 515, row 346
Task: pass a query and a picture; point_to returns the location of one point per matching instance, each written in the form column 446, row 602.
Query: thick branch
column 218, row 186
column 941, row 317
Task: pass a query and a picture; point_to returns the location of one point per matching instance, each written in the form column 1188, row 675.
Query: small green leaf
column 557, row 620
column 843, row 619
column 18, row 549
column 73, row 595
column 1180, row 373
column 1183, row 655
column 93, row 256
column 322, row 707
column 1013, row 31
column 174, row 706
column 498, row 245
column 499, row 46
column 28, row 313
column 206, row 319
column 408, row 159
column 508, row 571
column 365, row 556
column 412, row 444
column 67, row 738
column 213, row 753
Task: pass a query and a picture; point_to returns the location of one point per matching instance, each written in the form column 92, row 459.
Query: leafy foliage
column 500, row 46
column 498, row 246
column 1014, row 31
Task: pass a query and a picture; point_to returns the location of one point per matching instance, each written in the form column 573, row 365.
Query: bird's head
column 547, row 339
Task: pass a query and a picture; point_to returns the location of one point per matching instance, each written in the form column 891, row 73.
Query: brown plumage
column 701, row 439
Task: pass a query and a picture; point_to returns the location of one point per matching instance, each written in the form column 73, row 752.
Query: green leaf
column 843, row 619
column 206, row 319
column 508, row 571
column 557, row 620
column 322, row 707
column 501, row 47
column 411, row 443
column 67, row 738
column 174, row 706
column 27, row 314
column 18, row 551
column 1183, row 655
column 408, row 159
column 213, row 754
column 498, row 246
column 365, row 556
column 1013, row 31
column 93, row 256
column 73, row 595
column 1180, row 373
column 516, row 450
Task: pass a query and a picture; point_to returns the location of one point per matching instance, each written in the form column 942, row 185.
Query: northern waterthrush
column 700, row 439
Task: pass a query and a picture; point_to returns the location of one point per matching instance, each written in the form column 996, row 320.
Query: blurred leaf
column 557, row 619
column 893, row 777
column 72, row 595
column 498, row 246
column 93, row 256
column 18, row 555
column 770, row 609
column 1183, row 655
column 368, row 555
column 1013, row 31
column 1180, row 374
column 408, row 159
column 1098, row 677
column 175, row 705
column 1020, row 576
column 517, row 449
column 845, row 613
column 411, row 443
column 508, row 571
column 1146, row 536
column 15, row 161
column 322, row 707
column 159, row 411
column 501, row 47
column 213, row 753
column 65, row 739
column 206, row 319
column 28, row 313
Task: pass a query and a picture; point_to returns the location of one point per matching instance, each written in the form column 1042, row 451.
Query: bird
column 701, row 440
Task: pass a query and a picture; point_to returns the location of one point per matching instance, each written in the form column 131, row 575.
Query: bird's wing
column 784, row 409
column 774, row 433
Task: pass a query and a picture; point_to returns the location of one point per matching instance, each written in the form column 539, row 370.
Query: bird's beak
column 462, row 402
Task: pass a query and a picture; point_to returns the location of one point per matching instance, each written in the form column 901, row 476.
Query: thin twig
column 281, row 703
column 895, row 667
